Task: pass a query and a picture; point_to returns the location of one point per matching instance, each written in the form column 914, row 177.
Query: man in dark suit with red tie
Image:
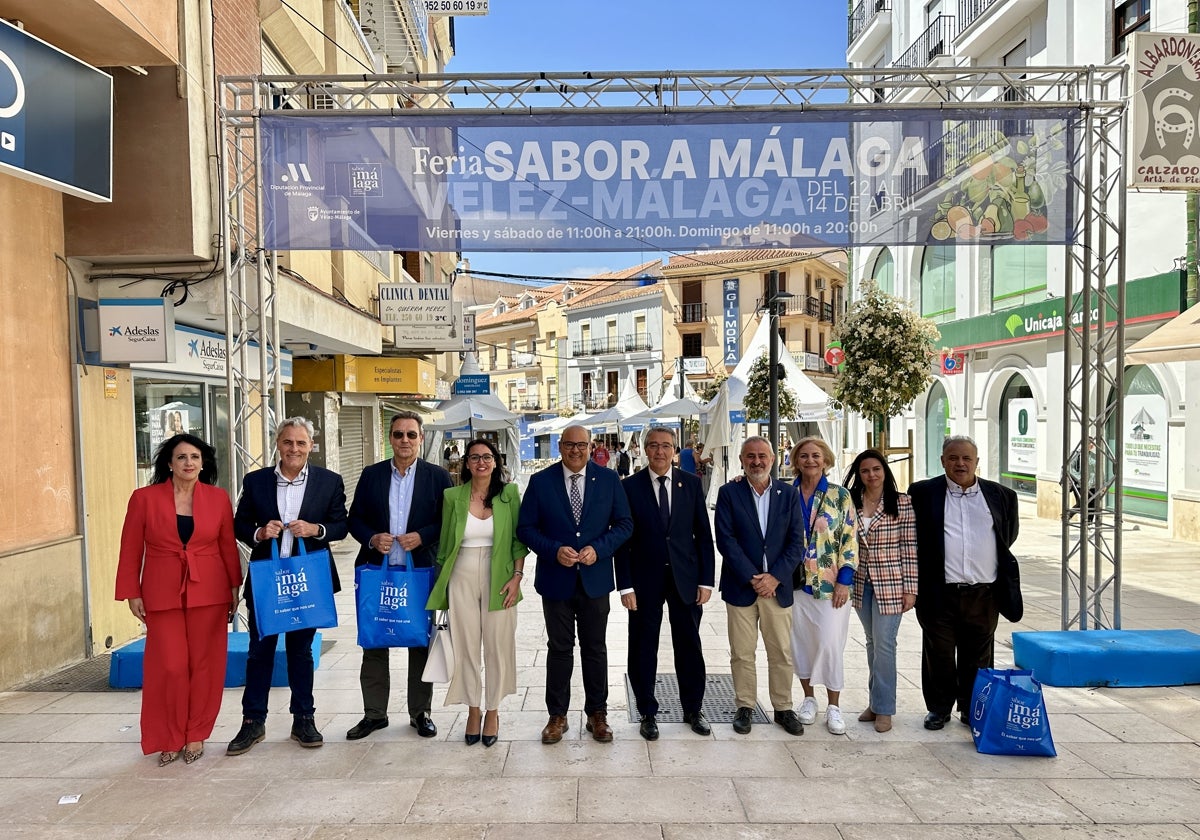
column 966, row 574
column 574, row 533
column 397, row 508
column 669, row 559
column 293, row 499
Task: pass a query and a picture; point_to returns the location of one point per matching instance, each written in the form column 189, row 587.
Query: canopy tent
column 477, row 413
column 556, row 424
column 671, row 405
column 1178, row 340
column 628, row 405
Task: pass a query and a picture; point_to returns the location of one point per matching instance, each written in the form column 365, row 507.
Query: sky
column 652, row 35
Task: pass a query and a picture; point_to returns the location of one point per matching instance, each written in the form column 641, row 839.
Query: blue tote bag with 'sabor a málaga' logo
column 1008, row 714
column 391, row 604
column 292, row 593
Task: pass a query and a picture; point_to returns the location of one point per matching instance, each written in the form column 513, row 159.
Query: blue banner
column 731, row 330
column 599, row 182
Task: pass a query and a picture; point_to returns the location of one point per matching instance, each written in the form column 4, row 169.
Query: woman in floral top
column 820, row 624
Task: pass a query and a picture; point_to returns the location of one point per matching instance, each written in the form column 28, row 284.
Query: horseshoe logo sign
column 18, row 101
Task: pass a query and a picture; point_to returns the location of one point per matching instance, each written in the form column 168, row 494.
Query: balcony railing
column 970, row 11
column 930, row 44
column 592, row 400
column 691, row 313
column 864, row 13
column 525, row 404
column 632, row 343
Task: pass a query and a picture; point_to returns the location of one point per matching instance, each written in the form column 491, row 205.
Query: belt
column 960, row 585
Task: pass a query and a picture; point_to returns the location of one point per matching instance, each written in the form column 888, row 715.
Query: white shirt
column 654, row 484
column 970, row 541
column 478, row 533
column 581, row 482
column 762, row 504
column 289, row 496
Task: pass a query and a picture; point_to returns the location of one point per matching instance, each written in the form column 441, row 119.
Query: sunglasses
column 410, row 434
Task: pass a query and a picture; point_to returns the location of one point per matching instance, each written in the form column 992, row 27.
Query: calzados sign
column 570, row 182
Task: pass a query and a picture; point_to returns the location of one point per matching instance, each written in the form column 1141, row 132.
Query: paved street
column 1128, row 764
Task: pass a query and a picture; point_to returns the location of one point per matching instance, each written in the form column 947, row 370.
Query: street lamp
column 774, row 298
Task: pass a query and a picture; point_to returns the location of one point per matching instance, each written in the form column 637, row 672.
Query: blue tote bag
column 1008, row 714
column 390, row 601
column 292, row 593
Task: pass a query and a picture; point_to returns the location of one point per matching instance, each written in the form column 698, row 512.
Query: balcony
column 934, row 43
column 633, row 343
column 980, row 20
column 691, row 313
column 868, row 28
column 594, row 400
column 525, row 404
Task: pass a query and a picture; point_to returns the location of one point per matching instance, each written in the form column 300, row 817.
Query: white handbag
column 439, row 667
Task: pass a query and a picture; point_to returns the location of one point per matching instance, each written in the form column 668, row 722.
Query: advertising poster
column 1145, row 442
column 1022, row 436
column 1164, row 147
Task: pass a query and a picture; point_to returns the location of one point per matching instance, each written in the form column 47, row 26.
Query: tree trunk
column 880, row 424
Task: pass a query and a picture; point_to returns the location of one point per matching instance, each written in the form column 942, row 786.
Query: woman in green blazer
column 480, row 566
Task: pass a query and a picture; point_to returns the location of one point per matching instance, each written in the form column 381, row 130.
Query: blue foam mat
column 1110, row 657
column 125, row 665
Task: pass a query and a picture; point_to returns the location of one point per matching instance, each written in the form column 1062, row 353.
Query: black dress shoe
column 471, row 740
column 698, row 722
column 365, row 727
column 424, row 725
column 790, row 721
column 936, row 720
column 965, row 718
column 250, row 734
column 304, row 730
column 743, row 720
column 649, row 728
column 490, row 740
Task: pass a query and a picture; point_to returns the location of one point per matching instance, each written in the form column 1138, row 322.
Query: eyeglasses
column 410, row 434
column 480, row 459
column 565, row 444
column 298, row 481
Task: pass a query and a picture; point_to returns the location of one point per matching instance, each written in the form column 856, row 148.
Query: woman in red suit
column 179, row 570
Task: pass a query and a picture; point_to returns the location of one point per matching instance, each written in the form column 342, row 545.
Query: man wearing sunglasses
column 292, row 499
column 397, row 508
column 574, row 517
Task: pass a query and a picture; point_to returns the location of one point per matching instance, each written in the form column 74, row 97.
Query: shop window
column 163, row 408
column 937, row 283
column 1018, row 275
column 937, row 428
column 883, row 271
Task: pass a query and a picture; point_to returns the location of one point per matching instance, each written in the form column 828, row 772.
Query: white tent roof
column 811, row 402
column 480, row 411
column 557, row 424
column 1178, row 340
column 627, row 406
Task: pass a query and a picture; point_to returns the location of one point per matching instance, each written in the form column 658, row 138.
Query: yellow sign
column 367, row 375
column 110, row 383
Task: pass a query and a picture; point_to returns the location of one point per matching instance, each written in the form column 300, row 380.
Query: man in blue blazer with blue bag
column 397, row 508
column 574, row 517
column 760, row 535
column 294, row 499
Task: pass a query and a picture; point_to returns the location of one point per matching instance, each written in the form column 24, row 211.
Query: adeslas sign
column 55, row 117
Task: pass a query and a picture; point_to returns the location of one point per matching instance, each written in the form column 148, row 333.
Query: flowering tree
column 757, row 401
column 889, row 353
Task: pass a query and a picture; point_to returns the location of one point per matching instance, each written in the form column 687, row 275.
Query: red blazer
column 154, row 565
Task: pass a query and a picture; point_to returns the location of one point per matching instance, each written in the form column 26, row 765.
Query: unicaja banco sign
column 55, row 117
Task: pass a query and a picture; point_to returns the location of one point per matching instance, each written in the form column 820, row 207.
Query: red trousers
column 183, row 675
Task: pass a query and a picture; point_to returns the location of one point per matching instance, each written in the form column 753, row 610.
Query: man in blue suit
column 760, row 534
column 292, row 499
column 668, row 559
column 574, row 517
column 397, row 508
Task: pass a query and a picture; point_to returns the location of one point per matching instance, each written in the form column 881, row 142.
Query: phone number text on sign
column 456, row 7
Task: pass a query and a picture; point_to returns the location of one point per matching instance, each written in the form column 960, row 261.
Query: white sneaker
column 808, row 711
column 833, row 720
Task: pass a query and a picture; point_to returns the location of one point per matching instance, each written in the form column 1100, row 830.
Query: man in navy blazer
column 760, row 534
column 397, row 508
column 668, row 559
column 292, row 499
column 966, row 574
column 574, row 533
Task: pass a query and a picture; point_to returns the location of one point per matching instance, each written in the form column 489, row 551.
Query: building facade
column 998, row 305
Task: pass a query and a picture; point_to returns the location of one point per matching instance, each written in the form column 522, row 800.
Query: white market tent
column 628, row 405
column 478, row 413
column 557, row 424
column 671, row 405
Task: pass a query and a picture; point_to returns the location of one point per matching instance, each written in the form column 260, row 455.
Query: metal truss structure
column 1095, row 277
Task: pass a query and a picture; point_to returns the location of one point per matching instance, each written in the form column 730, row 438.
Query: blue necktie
column 664, row 506
column 576, row 499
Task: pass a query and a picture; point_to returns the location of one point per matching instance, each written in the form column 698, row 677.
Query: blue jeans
column 881, row 633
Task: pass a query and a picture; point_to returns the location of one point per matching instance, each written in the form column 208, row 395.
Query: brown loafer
column 867, row 716
column 883, row 723
column 598, row 725
column 555, row 727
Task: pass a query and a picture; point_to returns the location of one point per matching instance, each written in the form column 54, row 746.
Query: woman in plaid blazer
column 885, row 581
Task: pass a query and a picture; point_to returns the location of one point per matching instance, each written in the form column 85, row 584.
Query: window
column 883, row 271
column 1129, row 17
column 693, row 346
column 1018, row 275
column 937, row 283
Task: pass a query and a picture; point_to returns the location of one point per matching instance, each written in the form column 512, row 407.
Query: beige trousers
column 775, row 623
column 472, row 626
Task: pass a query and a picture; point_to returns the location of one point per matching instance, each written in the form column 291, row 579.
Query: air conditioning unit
column 819, row 284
